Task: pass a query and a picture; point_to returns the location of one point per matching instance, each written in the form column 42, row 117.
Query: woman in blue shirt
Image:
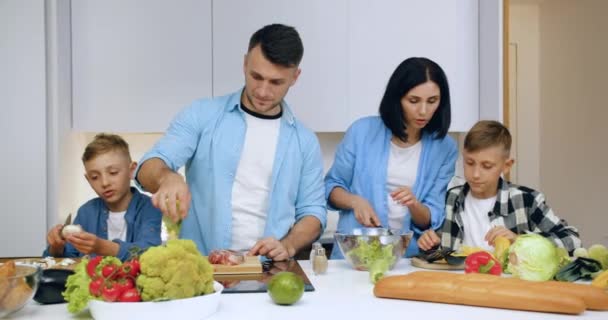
column 393, row 170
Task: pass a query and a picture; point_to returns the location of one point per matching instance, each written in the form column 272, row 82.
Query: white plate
column 197, row 308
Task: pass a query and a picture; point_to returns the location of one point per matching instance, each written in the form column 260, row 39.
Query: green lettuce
column 77, row 288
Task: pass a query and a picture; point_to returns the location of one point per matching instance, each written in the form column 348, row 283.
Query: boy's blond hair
column 103, row 143
column 487, row 133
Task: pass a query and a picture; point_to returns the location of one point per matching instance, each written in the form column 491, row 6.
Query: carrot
column 594, row 298
column 460, row 289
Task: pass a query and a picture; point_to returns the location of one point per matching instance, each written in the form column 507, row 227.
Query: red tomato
column 95, row 286
column 92, row 265
column 110, row 292
column 124, row 284
column 130, row 295
column 109, row 271
column 130, row 268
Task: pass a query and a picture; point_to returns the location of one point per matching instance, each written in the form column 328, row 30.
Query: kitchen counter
column 341, row 293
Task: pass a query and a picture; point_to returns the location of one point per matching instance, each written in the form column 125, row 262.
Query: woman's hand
column 499, row 231
column 428, row 240
column 364, row 213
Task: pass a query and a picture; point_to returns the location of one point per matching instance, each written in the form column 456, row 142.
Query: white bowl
column 197, row 308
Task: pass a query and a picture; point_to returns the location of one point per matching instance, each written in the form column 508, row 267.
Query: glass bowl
column 363, row 246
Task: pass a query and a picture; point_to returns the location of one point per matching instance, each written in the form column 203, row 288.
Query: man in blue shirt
column 254, row 173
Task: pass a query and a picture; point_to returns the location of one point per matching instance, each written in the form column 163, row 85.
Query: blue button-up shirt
column 142, row 218
column 361, row 164
column 207, row 137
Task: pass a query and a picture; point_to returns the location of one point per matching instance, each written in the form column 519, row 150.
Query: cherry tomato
column 92, row 266
column 130, row 295
column 95, row 286
column 109, row 271
column 130, row 268
column 110, row 292
column 124, row 284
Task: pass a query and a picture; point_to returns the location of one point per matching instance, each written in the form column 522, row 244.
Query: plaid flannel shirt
column 517, row 208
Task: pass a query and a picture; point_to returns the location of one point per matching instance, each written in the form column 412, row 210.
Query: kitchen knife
column 68, row 220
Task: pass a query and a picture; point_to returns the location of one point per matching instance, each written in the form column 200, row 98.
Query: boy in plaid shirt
column 487, row 206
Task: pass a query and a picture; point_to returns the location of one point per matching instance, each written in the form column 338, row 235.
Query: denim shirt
column 142, row 218
column 360, row 167
column 207, row 137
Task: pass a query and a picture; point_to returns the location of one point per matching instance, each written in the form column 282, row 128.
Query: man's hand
column 499, row 231
column 404, row 196
column 273, row 249
column 56, row 242
column 428, row 240
column 364, row 213
column 84, row 242
column 173, row 197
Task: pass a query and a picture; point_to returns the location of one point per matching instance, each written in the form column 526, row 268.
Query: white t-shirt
column 401, row 172
column 476, row 221
column 117, row 226
column 252, row 182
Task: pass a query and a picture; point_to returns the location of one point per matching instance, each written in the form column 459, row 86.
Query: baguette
column 460, row 289
column 594, row 298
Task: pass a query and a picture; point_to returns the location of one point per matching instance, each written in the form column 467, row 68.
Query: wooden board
column 252, row 264
column 437, row 265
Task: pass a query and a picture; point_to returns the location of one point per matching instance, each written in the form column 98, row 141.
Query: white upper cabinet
column 384, row 33
column 319, row 97
column 136, row 63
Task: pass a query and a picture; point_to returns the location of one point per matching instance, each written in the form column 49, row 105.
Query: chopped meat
column 226, row 257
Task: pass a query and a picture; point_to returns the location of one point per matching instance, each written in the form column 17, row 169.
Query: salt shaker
column 319, row 260
column 315, row 246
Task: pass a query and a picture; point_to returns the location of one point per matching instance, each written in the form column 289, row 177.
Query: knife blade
column 68, row 220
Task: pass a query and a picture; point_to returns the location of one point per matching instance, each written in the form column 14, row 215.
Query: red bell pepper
column 482, row 262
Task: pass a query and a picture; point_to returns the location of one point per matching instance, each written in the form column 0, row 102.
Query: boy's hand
column 56, row 242
column 364, row 213
column 172, row 189
column 404, row 196
column 428, row 240
column 499, row 231
column 84, row 242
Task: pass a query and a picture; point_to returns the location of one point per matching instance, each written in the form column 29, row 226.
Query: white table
column 341, row 293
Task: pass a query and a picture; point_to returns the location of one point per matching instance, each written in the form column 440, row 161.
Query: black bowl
column 52, row 284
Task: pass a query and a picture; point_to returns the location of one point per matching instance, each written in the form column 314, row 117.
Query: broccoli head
column 174, row 271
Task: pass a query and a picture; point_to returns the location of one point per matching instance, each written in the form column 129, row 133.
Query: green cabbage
column 533, row 257
column 600, row 253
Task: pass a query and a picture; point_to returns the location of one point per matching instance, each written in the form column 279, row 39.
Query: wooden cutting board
column 252, row 264
column 437, row 265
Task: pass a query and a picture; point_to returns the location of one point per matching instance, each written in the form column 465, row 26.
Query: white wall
column 524, row 38
column 573, row 152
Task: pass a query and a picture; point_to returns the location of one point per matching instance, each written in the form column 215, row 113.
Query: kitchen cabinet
column 22, row 128
column 319, row 96
column 136, row 63
column 383, row 34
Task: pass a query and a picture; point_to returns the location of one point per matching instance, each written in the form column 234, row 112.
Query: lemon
column 285, row 288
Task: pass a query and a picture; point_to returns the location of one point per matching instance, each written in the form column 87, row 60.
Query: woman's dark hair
column 409, row 74
column 280, row 44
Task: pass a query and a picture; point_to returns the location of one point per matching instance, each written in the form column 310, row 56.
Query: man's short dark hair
column 280, row 44
column 409, row 74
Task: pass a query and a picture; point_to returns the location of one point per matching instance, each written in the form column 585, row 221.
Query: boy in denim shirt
column 120, row 218
column 487, row 206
